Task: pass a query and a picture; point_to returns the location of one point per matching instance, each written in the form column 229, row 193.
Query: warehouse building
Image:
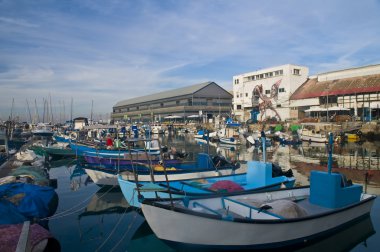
column 205, row 100
column 354, row 91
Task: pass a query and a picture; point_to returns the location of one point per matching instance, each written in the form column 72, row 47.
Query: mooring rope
column 67, row 211
column 112, row 231
column 126, row 232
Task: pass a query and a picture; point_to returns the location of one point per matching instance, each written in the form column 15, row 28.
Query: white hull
column 42, row 133
column 196, row 230
column 231, row 141
column 314, row 138
column 179, row 176
column 103, row 178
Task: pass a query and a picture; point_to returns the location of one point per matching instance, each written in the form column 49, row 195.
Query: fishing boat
column 204, row 166
column 317, row 132
column 119, row 152
column 229, row 134
column 59, row 152
column 260, row 176
column 230, row 140
column 127, row 162
column 43, row 129
column 266, row 220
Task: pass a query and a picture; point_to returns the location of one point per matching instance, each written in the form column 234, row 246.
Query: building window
column 238, row 106
column 236, row 81
column 278, row 106
column 296, row 71
column 177, row 102
column 281, row 90
column 246, row 94
column 162, row 105
column 278, row 72
column 137, row 108
column 267, row 91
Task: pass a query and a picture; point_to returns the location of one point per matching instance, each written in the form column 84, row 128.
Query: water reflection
column 107, row 221
column 345, row 239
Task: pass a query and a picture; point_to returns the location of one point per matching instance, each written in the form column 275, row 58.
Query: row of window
column 189, row 102
column 264, row 75
column 296, row 71
column 280, row 90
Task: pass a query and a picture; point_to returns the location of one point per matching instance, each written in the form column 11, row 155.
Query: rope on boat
column 112, row 231
column 126, row 232
column 67, row 211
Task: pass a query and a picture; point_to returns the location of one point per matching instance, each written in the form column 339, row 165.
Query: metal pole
column 166, row 174
column 330, row 149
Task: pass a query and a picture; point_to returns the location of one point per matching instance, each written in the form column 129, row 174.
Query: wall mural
column 267, row 101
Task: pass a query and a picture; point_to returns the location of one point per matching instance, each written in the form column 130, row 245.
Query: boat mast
column 36, row 110
column 13, row 103
column 30, row 115
column 51, row 110
column 92, row 106
column 71, row 111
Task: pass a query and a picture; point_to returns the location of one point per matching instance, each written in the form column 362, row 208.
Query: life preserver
column 73, row 135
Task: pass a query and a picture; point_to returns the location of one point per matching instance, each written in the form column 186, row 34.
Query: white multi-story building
column 268, row 91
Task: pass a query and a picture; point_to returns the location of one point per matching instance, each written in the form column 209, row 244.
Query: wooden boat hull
column 186, row 228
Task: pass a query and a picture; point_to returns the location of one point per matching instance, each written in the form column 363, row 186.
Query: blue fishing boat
column 276, row 219
column 260, row 176
column 95, row 149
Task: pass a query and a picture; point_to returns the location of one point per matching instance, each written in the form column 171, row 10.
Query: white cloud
column 106, row 52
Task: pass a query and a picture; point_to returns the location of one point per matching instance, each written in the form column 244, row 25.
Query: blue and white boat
column 204, row 166
column 100, row 151
column 265, row 220
column 259, row 177
column 43, row 129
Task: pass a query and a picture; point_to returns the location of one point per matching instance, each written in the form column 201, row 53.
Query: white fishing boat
column 43, row 129
column 269, row 220
column 317, row 132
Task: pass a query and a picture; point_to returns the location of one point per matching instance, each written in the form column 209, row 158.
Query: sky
column 94, row 53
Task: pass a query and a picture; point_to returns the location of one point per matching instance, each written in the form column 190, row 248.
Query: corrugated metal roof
column 164, row 95
column 313, row 88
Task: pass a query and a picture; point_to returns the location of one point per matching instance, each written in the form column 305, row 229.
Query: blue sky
column 107, row 50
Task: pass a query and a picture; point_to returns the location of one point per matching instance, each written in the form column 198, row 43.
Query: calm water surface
column 90, row 218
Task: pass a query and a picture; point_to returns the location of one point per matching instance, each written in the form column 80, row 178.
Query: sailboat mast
column 71, row 111
column 51, row 110
column 30, row 115
column 36, row 108
column 92, row 106
column 13, row 103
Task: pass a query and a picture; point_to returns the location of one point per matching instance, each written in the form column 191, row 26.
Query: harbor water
column 91, row 218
